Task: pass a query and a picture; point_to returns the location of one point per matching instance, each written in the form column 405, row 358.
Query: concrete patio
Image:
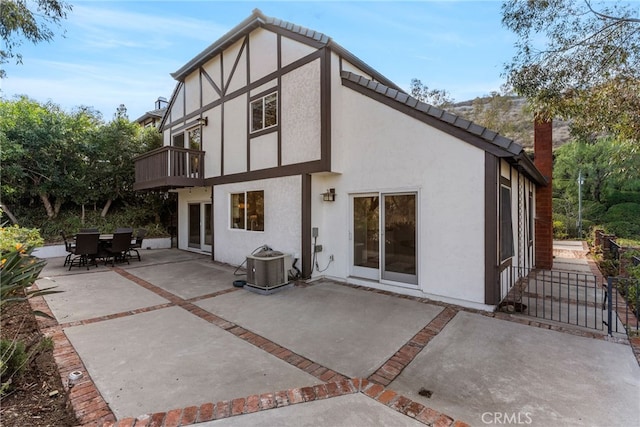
column 169, row 338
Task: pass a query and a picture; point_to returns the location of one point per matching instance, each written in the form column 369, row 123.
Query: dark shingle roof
column 258, row 19
column 488, row 135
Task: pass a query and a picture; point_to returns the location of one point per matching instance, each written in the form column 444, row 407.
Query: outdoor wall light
column 330, row 195
column 203, row 121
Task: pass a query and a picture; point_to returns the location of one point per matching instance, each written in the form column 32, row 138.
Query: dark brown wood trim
column 199, row 89
column 210, row 80
column 273, row 76
column 235, row 65
column 492, row 279
column 279, row 84
column 248, row 134
column 294, row 36
column 265, row 93
column 258, row 133
column 213, row 228
column 275, row 172
column 305, row 240
column 221, row 140
column 325, row 108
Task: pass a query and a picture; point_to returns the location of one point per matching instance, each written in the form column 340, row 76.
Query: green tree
column 114, row 146
column 18, row 23
column 437, row 97
column 43, row 152
column 578, row 60
column 502, row 113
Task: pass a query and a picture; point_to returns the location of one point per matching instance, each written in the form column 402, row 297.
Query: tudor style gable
column 252, row 104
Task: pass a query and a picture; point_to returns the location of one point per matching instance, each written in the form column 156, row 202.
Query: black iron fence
column 573, row 298
column 623, row 300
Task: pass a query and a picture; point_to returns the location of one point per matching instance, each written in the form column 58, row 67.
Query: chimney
column 543, row 160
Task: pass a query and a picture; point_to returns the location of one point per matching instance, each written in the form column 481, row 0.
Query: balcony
column 169, row 167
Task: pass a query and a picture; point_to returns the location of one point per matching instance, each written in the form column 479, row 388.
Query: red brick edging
column 255, row 403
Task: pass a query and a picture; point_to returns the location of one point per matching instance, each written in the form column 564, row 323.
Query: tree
column 18, row 23
column 42, row 152
column 437, row 97
column 587, row 68
column 502, row 113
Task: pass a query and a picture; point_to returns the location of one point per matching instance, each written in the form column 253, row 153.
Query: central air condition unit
column 267, row 271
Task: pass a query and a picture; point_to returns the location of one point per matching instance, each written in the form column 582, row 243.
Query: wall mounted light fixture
column 330, row 195
column 203, row 121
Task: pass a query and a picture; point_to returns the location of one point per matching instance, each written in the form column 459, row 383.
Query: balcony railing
column 169, row 167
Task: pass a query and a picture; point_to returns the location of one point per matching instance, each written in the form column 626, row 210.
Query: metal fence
column 623, row 300
column 573, row 298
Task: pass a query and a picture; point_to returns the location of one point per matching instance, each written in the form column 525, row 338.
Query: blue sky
column 122, row 52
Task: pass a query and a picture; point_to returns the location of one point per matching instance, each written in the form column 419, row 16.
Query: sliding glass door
column 384, row 236
column 200, row 235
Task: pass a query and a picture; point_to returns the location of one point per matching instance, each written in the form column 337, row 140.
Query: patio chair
column 119, row 248
column 68, row 246
column 86, row 250
column 140, row 233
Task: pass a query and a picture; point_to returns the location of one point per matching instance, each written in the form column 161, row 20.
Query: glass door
column 400, row 238
column 384, row 237
column 366, row 236
column 200, row 232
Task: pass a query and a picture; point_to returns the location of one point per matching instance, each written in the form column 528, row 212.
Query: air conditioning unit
column 267, row 271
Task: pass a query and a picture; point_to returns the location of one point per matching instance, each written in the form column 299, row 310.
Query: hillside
column 509, row 116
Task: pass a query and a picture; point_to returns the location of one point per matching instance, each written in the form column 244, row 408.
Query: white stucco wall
column 235, row 135
column 192, row 92
column 212, row 142
column 186, row 196
column 300, row 121
column 239, row 77
column 282, row 219
column 177, row 109
column 263, row 45
column 213, row 70
column 264, row 151
column 379, row 149
column 293, row 50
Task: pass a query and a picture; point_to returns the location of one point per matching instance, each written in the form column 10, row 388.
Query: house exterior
column 276, row 135
column 153, row 118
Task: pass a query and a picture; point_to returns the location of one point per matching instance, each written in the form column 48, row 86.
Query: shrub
column 18, row 268
column 11, row 237
column 13, row 357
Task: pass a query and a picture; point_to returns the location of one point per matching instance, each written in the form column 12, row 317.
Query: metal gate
column 573, row 298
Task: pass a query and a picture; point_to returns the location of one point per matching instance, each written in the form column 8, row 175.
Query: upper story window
column 178, row 140
column 194, row 135
column 264, row 112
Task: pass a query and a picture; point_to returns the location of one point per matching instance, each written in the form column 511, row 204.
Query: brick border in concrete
column 263, row 402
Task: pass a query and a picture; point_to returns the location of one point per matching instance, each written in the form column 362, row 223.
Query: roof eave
column 253, row 21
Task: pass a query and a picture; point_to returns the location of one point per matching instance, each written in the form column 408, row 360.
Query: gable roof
column 380, row 88
column 258, row 19
column 452, row 124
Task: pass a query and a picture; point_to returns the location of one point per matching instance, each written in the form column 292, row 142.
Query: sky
column 109, row 53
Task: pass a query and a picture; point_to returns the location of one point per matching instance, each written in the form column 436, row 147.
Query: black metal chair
column 86, row 250
column 119, row 248
column 140, row 233
column 68, row 246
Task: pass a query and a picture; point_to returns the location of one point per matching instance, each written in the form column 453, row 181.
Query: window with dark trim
column 531, row 217
column 506, row 226
column 264, row 112
column 247, row 210
column 178, row 140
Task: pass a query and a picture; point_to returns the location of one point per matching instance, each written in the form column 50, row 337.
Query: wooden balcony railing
column 169, row 167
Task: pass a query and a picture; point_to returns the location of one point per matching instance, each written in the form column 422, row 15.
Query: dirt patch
column 36, row 397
